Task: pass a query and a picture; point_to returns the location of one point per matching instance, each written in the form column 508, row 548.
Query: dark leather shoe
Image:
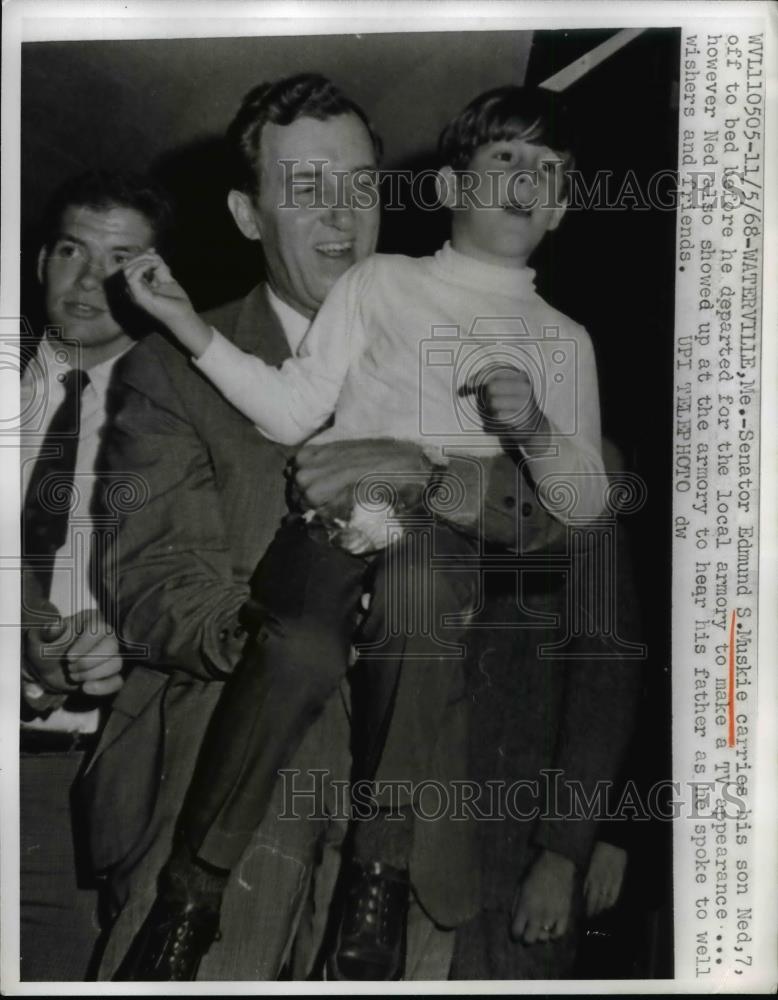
column 171, row 943
column 372, row 935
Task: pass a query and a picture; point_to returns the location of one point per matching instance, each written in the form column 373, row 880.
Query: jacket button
column 224, row 635
column 526, row 509
column 509, row 502
column 239, row 632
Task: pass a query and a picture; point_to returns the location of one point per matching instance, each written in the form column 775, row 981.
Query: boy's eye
column 503, row 155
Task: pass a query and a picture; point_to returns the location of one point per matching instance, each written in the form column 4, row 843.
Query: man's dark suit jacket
column 209, row 495
column 211, row 499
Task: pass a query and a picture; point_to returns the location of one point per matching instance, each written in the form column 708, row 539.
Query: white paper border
column 39, row 20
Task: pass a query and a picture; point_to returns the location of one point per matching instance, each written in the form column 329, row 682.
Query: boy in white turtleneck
column 404, row 348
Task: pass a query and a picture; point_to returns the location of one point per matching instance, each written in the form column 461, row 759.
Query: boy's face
column 509, row 197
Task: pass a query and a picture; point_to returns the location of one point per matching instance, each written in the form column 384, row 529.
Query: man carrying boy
column 216, row 495
column 360, row 354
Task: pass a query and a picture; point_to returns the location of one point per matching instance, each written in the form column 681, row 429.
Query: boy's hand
column 153, row 288
column 510, row 402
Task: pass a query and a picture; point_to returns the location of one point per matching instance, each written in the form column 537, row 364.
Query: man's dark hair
column 307, row 95
column 536, row 116
column 105, row 189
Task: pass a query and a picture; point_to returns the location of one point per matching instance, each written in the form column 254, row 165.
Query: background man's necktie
column 50, row 491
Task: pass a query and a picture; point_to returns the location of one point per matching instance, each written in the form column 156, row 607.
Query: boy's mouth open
column 335, row 249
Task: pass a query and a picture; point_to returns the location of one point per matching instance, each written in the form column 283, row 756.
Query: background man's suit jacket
column 561, row 718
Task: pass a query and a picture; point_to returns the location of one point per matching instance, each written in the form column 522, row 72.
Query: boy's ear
column 245, row 215
column 447, row 187
column 42, row 256
column 557, row 215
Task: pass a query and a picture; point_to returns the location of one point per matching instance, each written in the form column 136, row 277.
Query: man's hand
column 544, row 899
column 78, row 654
column 153, row 288
column 94, row 661
column 43, row 657
column 326, row 474
column 604, row 878
column 510, row 402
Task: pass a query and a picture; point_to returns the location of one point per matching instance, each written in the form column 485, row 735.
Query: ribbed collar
column 518, row 282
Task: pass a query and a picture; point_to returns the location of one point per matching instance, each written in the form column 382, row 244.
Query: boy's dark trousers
column 308, row 597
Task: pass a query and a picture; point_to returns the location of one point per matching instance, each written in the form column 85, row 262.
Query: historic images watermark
column 698, row 186
column 551, row 796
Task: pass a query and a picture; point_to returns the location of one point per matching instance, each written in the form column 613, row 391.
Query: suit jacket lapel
column 258, row 329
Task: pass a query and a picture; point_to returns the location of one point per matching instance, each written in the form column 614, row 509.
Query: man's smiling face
column 312, row 223
column 90, row 245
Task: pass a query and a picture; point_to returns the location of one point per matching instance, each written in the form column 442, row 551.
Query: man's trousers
column 58, row 923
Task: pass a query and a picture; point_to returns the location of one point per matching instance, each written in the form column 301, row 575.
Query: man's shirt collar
column 50, row 366
column 293, row 323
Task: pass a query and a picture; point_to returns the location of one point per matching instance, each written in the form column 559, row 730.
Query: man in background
column 71, row 661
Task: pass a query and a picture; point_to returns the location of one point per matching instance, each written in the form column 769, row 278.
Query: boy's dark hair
column 106, row 189
column 307, row 95
column 536, row 116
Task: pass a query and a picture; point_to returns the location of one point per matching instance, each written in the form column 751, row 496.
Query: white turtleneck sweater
column 395, row 351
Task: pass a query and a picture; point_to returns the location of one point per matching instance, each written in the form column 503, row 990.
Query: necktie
column 50, row 491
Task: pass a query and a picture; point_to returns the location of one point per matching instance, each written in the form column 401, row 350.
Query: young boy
column 405, row 348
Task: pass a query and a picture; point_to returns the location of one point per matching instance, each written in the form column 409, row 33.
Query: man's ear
column 43, row 254
column 245, row 216
column 447, row 187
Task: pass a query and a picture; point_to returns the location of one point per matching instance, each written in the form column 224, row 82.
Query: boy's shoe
column 171, row 943
column 371, row 938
